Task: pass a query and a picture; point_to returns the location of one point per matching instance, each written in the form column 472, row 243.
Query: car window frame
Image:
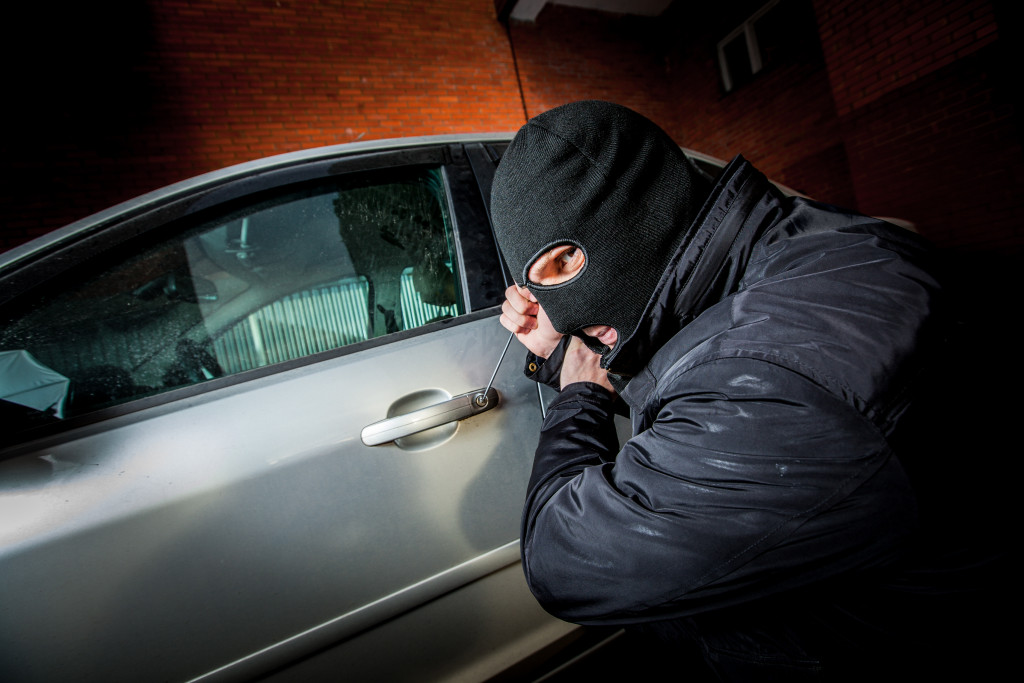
column 479, row 265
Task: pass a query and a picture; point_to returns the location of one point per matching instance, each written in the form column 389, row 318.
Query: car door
column 187, row 489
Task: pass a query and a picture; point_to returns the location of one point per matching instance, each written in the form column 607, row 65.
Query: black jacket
column 782, row 348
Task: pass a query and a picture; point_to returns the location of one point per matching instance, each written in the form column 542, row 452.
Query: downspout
column 515, row 65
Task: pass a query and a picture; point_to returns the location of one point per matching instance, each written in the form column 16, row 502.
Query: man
column 767, row 348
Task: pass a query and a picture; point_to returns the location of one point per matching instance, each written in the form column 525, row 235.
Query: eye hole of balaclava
column 556, row 265
column 562, row 278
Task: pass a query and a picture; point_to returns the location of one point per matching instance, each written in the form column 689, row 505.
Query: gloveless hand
column 583, row 365
column 520, row 313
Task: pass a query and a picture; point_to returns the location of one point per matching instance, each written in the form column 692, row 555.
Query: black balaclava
column 610, row 182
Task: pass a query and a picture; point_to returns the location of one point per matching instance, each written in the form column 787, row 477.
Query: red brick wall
column 118, row 100
column 907, row 109
column 903, row 113
column 945, row 154
column 784, row 121
column 279, row 75
column 571, row 54
column 875, row 47
column 926, row 104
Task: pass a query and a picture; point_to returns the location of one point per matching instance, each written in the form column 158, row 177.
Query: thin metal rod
column 500, row 358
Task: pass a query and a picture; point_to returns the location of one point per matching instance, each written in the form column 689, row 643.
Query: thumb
column 526, row 293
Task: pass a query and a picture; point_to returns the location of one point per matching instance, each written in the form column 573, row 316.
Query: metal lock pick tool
column 481, row 399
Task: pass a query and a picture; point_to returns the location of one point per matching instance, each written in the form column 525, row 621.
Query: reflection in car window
column 309, row 270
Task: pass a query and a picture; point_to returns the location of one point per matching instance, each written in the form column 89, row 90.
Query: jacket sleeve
column 750, row 479
column 547, row 370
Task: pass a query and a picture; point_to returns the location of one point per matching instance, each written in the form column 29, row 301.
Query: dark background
column 902, row 109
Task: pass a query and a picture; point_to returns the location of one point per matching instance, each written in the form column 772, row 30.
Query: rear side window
column 304, row 271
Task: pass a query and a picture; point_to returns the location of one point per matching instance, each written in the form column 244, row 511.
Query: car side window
column 301, row 271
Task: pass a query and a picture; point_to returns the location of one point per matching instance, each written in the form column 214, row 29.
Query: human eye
column 558, row 265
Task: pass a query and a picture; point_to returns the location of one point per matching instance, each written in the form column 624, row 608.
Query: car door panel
column 489, row 628
column 226, row 526
column 255, row 514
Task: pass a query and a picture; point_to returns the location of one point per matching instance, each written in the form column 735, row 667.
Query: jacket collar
column 707, row 266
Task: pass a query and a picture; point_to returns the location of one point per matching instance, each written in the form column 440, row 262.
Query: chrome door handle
column 456, row 408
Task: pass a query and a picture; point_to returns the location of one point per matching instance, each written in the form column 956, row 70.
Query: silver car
column 245, row 433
